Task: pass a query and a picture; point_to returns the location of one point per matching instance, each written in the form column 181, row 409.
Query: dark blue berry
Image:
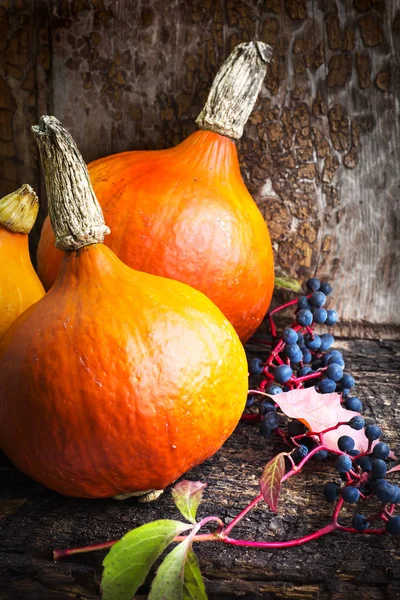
column 327, row 340
column 381, row 450
column 321, row 455
column 317, row 299
column 350, row 494
column 313, row 284
column 290, row 336
column 304, row 371
column 354, row 404
column 372, row 432
column 326, row 288
column 271, row 418
column 256, row 366
column 393, row 526
column 346, row 443
column 312, row 343
column 326, row 386
column 379, row 468
column 365, row 463
column 307, row 356
column 356, row 423
column 267, row 406
column 250, row 401
column 303, row 303
column 331, row 492
column 299, row 453
column 347, row 381
column 343, row 463
column 304, row 317
column 332, row 354
column 396, row 499
column 296, row 428
column 282, row 373
column 338, row 360
column 360, row 523
column 273, row 389
column 353, row 452
column 334, row 371
column 300, row 340
column 265, row 430
column 320, row 315
column 332, row 318
column 385, row 492
column 293, row 352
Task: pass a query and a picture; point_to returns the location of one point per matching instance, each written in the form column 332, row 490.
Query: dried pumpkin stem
column 74, row 211
column 18, row 210
column 235, row 89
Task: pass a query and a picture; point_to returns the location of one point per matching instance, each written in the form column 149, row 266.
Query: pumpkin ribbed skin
column 185, row 213
column 19, row 285
column 117, row 381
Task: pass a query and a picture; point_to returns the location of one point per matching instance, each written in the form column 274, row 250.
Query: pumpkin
column 185, row 212
column 19, row 285
column 117, row 381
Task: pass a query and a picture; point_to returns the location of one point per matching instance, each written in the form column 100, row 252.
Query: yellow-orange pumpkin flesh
column 185, row 212
column 117, row 381
column 19, row 285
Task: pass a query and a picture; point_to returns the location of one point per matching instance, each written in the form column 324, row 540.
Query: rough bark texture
column 34, row 521
column 321, row 150
column 75, row 213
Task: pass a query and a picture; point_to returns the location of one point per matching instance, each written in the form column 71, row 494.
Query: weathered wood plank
column 33, row 520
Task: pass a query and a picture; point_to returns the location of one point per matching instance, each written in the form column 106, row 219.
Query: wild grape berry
column 307, row 356
column 356, row 423
column 304, row 317
column 393, row 526
column 321, row 455
column 320, row 315
column 381, row 450
column 282, row 373
column 338, row 360
column 326, row 288
column 334, row 371
column 333, row 354
column 354, row 404
column 312, row 343
column 327, row 339
column 372, row 432
column 360, row 523
column 304, row 371
column 250, row 401
column 332, row 318
column 331, row 492
column 266, row 406
column 273, row 389
column 326, row 386
column 290, row 336
column 353, row 452
column 265, row 430
column 296, row 428
column 344, row 391
column 317, row 299
column 271, row 418
column 313, row 284
column 303, row 303
column 365, row 463
column 300, row 452
column 350, row 494
column 347, row 381
column 385, row 492
column 300, row 340
column 256, row 366
column 396, row 500
column 343, row 463
column 346, row 443
column 379, row 468
column 293, row 352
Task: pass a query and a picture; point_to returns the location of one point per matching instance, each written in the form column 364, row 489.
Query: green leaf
column 178, row 577
column 130, row 559
column 288, row 283
column 271, row 480
column 187, row 497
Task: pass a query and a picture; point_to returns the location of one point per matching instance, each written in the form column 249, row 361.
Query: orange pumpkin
column 117, row 381
column 19, row 285
column 185, row 212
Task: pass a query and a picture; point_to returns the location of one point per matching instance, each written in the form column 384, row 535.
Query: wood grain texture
column 34, row 521
column 321, row 152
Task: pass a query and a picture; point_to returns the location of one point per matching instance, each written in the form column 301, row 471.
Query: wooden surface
column 321, row 152
column 340, row 566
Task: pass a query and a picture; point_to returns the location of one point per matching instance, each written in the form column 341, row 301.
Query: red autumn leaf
column 271, row 480
column 393, row 469
column 319, row 412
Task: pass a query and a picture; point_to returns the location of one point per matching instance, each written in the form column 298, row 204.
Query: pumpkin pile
column 122, row 377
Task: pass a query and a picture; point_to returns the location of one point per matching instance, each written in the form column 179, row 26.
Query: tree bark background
column 320, row 153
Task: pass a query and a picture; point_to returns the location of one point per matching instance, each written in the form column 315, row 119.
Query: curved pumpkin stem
column 18, row 210
column 74, row 211
column 235, row 89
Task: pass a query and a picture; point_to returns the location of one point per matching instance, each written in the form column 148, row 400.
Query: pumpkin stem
column 18, row 210
column 235, row 89
column 74, row 211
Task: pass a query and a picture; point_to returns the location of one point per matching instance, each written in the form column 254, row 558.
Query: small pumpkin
column 185, row 213
column 19, row 285
column 117, row 381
